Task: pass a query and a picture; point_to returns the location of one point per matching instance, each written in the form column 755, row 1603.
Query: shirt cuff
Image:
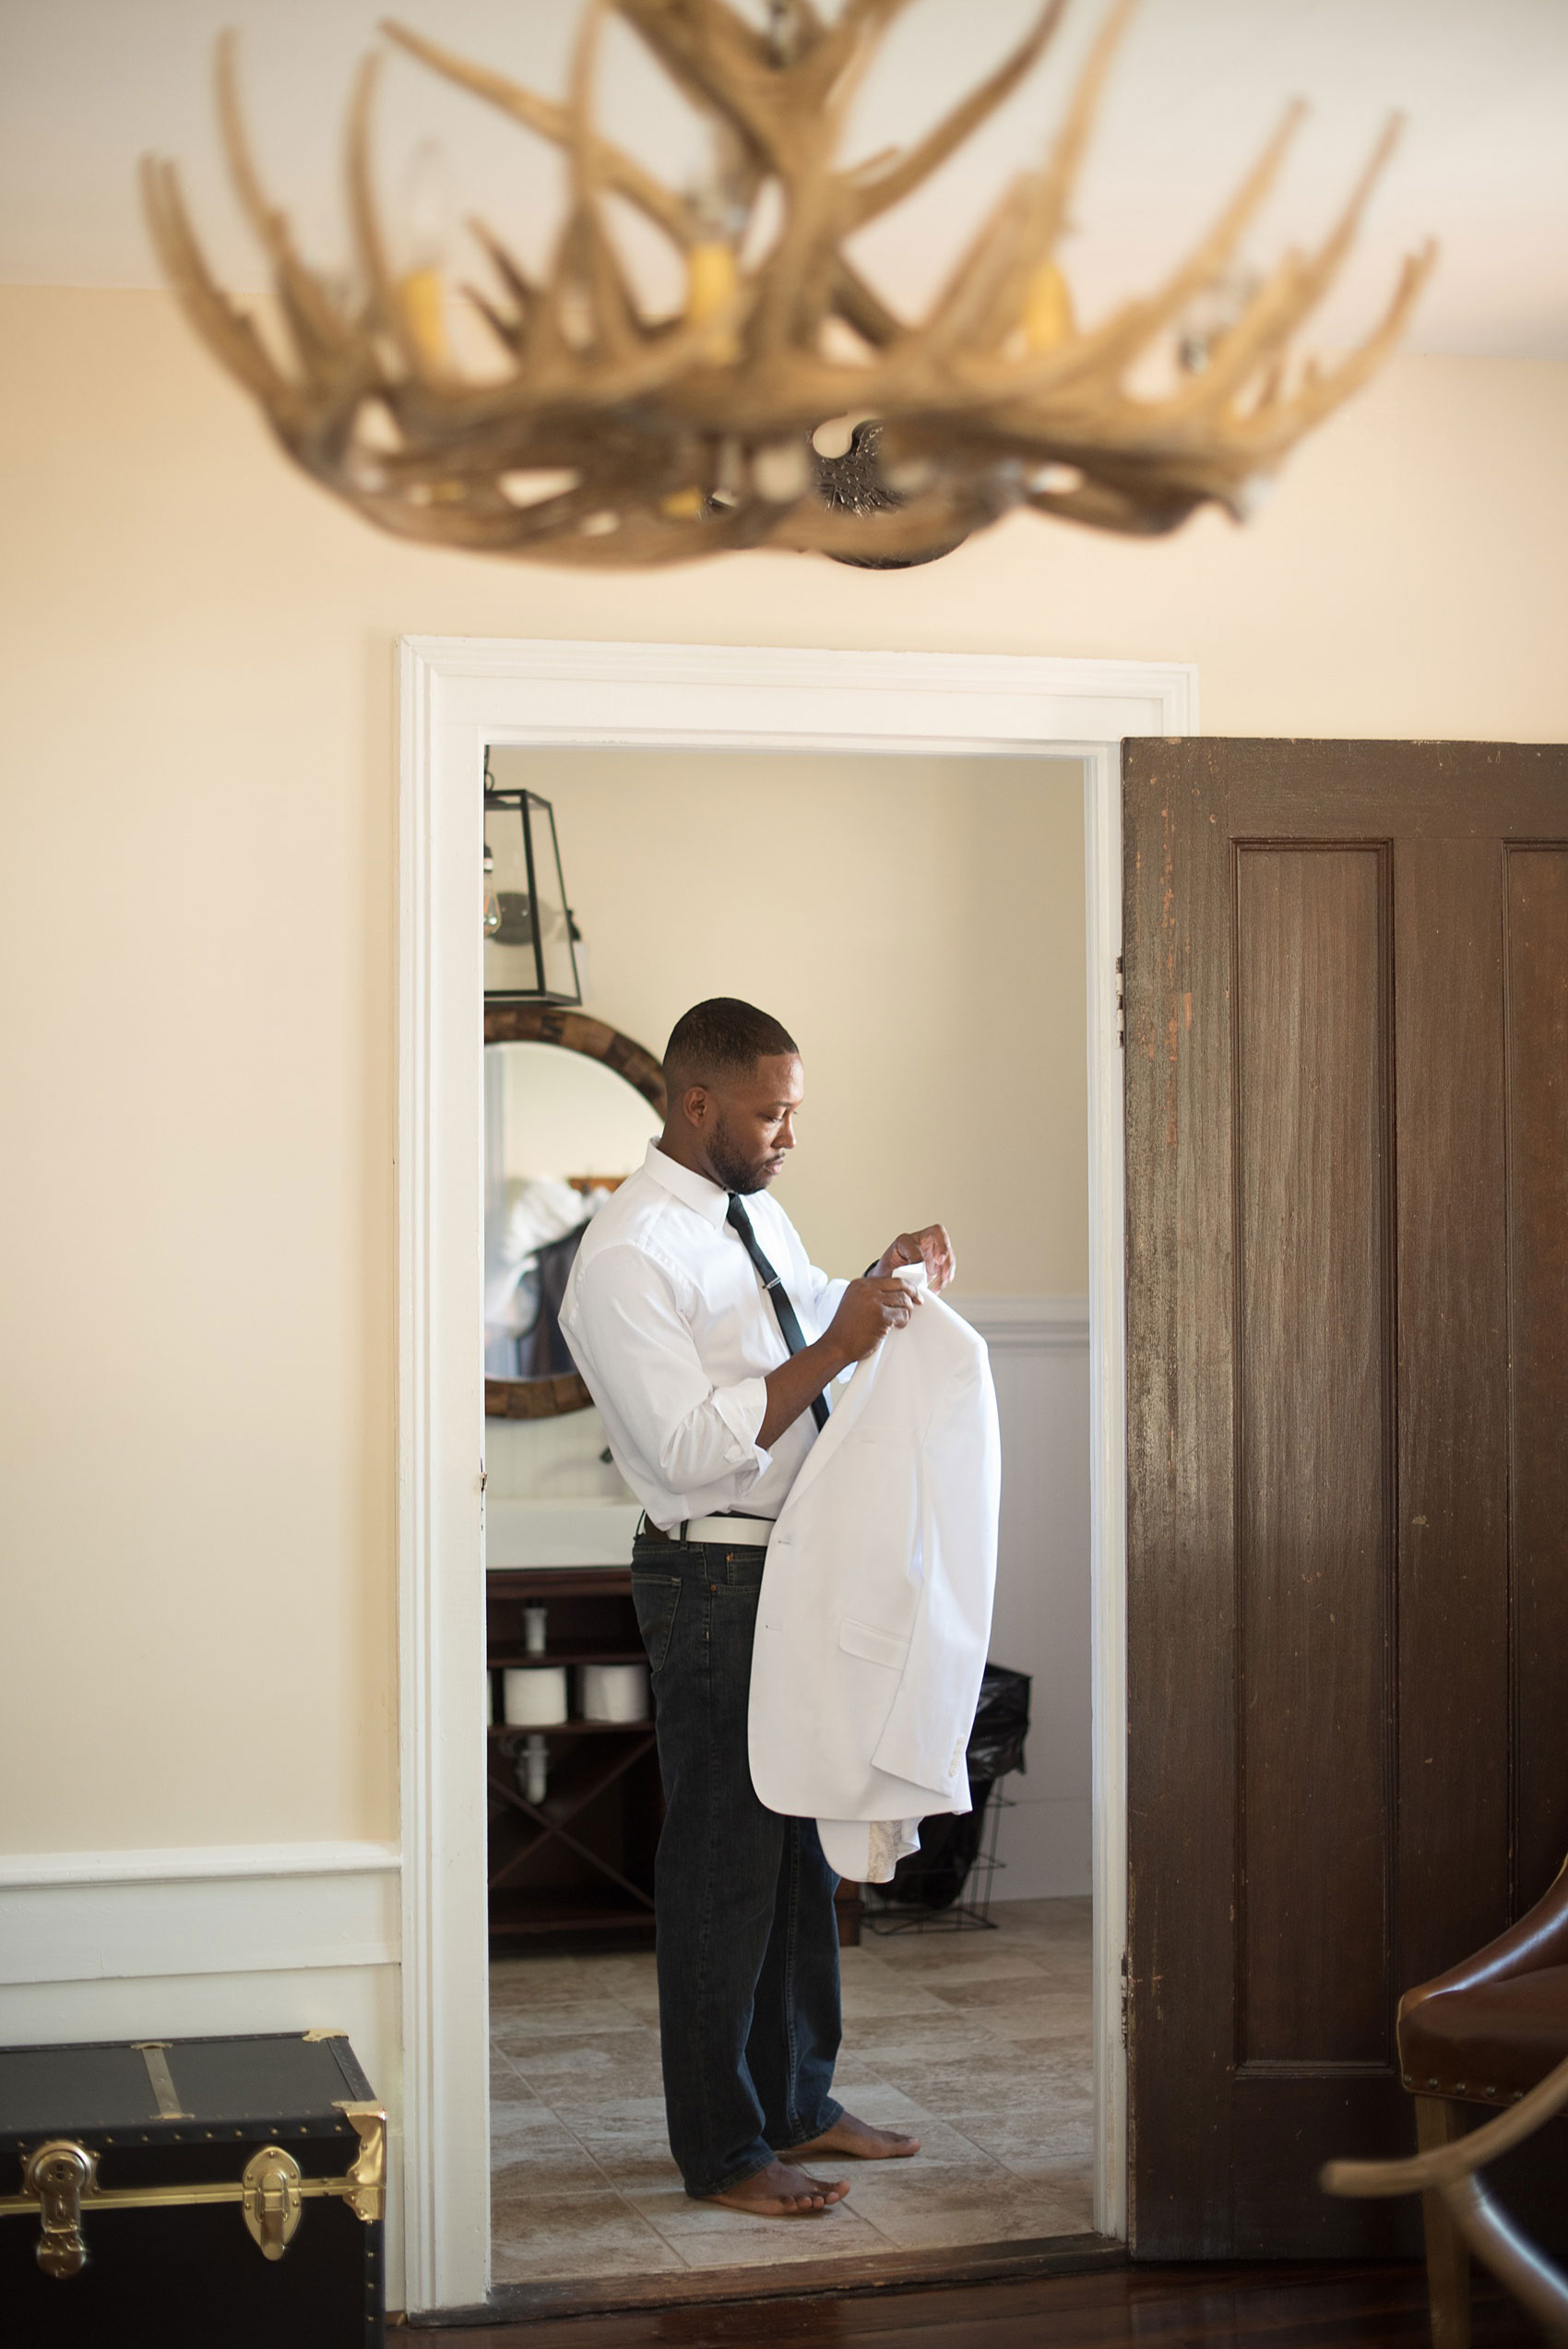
column 743, row 1410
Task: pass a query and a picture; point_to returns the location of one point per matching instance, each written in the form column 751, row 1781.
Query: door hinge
column 1126, row 1996
column 1121, row 1004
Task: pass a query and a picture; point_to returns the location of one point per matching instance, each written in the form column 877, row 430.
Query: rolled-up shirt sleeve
column 828, row 1296
column 640, row 1363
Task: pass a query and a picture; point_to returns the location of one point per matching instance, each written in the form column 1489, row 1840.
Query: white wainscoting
column 1040, row 1359
column 169, row 1945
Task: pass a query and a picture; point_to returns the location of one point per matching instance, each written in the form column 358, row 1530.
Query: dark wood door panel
column 1181, row 1510
column 1313, row 1104
column 1452, row 1428
column 1537, row 904
column 1487, row 792
column 1277, row 2158
column 1347, row 978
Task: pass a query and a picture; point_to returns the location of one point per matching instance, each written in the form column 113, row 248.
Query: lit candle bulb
column 1048, row 308
column 712, row 279
column 427, row 214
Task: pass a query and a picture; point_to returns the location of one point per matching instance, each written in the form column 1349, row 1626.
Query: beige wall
column 197, row 752
column 917, row 923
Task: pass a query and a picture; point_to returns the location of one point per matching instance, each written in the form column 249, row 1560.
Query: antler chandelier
column 612, row 437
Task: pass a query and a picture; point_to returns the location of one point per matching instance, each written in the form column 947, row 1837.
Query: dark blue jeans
column 748, row 1942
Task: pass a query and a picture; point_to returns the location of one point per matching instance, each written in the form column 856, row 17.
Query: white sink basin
column 559, row 1532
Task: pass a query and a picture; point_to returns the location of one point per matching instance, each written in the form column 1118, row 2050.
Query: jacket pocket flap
column 876, row 1647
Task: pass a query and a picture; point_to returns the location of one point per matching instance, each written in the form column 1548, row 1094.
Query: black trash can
column 934, row 1878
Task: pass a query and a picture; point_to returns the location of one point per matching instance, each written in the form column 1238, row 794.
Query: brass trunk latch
column 59, row 2174
column 270, row 2182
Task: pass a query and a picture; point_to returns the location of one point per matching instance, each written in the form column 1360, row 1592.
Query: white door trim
column 460, row 694
column 1108, row 1465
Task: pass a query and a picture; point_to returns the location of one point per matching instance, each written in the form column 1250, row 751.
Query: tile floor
column 979, row 2042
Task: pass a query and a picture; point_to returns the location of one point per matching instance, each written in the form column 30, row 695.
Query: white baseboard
column 203, row 1860
column 81, row 1917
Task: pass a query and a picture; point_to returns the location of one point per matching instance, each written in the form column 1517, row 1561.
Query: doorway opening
column 460, row 699
column 918, row 922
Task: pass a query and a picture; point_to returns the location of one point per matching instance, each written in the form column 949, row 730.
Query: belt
column 739, row 1532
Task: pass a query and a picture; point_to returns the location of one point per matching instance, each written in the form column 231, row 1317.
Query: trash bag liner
column 1001, row 1724
column 933, row 1876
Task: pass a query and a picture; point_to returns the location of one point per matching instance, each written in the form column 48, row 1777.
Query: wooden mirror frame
column 550, row 1023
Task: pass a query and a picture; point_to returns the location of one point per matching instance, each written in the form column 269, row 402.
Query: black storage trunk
column 198, row 2193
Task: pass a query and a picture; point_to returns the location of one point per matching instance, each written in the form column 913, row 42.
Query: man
column 712, row 1386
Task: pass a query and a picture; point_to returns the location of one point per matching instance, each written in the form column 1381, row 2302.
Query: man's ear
column 694, row 1104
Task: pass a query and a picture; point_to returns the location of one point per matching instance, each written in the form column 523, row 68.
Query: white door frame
column 458, row 695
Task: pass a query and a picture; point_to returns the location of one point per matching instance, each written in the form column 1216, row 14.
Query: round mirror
column 570, row 1107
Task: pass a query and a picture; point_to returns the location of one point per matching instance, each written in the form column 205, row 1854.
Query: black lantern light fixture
column 530, row 939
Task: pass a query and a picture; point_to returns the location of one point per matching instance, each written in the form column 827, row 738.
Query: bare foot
column 781, row 2192
column 855, row 2141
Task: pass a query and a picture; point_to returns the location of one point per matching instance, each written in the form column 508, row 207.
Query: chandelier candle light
column 609, row 436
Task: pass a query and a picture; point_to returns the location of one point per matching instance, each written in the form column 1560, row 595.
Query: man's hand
column 867, row 1310
column 931, row 1246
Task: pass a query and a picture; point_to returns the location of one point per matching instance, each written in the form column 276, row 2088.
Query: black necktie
column 794, row 1337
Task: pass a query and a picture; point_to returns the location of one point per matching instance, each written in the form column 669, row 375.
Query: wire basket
column 884, row 1910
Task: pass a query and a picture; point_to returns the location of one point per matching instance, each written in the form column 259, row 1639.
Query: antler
column 615, row 437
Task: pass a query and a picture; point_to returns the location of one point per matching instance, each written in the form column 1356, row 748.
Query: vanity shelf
column 581, row 1862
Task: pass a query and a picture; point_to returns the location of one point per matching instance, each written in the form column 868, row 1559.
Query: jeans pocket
column 656, row 1598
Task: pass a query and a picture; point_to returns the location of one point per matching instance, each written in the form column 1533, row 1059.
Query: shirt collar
column 693, row 1191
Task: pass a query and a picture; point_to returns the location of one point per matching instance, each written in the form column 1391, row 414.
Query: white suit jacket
column 874, row 1614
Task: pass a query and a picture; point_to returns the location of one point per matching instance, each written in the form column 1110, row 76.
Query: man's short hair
column 722, row 1037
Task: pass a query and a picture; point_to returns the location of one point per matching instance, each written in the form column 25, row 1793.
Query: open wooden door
column 1346, row 989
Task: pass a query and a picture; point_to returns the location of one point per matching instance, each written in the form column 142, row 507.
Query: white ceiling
column 88, row 85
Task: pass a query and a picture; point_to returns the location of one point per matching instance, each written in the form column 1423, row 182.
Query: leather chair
column 1491, row 2031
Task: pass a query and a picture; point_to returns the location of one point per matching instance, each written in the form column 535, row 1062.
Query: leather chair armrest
column 1539, row 1939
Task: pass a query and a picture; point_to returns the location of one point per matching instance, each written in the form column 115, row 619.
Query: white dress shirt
column 674, row 1336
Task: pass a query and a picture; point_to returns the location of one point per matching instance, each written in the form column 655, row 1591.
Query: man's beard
column 735, row 1173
